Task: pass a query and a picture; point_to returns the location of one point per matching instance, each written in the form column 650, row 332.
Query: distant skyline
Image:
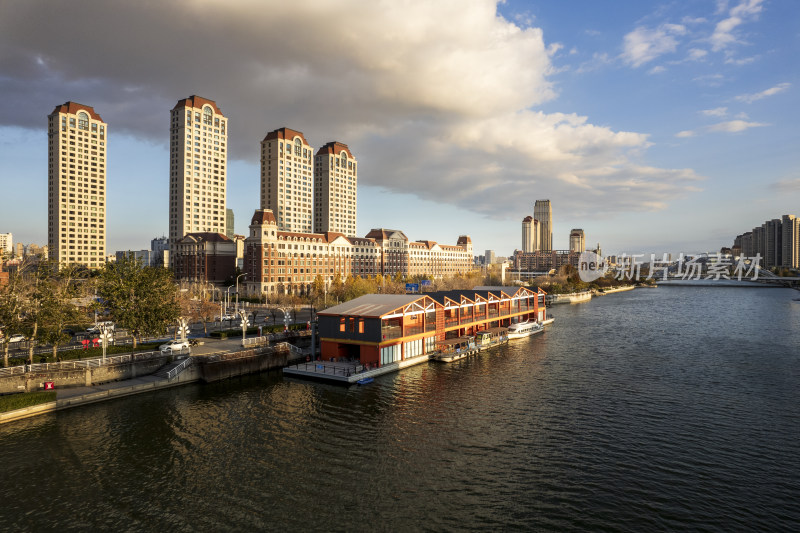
column 654, row 127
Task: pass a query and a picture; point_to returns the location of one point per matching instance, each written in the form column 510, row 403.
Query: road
column 196, row 330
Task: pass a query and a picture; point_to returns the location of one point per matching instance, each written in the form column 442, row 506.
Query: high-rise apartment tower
column 544, row 214
column 530, row 235
column 577, row 241
column 198, row 159
column 287, row 179
column 335, row 184
column 76, row 229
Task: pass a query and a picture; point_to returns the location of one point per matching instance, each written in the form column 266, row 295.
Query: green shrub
column 12, row 402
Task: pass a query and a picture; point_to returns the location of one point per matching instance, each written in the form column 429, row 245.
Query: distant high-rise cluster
column 537, row 231
column 76, row 228
column 303, row 232
column 777, row 241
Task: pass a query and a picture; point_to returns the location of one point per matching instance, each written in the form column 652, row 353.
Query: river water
column 656, row 409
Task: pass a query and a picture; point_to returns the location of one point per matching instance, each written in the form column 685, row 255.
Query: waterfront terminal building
column 381, row 329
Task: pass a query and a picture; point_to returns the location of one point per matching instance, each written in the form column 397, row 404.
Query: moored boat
column 524, row 329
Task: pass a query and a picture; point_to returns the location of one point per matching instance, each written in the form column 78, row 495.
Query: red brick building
column 205, row 257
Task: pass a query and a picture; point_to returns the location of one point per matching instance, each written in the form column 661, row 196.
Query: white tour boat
column 524, row 329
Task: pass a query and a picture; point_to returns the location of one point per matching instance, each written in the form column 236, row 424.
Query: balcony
column 413, row 330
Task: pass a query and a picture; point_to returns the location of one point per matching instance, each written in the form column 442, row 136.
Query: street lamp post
column 237, row 290
column 105, row 332
column 228, row 298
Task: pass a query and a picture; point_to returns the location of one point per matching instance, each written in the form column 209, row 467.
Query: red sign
column 49, row 385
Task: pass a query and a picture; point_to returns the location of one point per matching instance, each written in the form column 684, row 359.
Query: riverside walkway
column 180, row 372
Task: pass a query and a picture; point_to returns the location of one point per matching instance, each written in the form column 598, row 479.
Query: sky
column 653, row 126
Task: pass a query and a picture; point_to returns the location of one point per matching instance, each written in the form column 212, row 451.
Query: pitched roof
column 197, row 102
column 383, row 234
column 372, row 305
column 285, row 133
column 204, row 237
column 335, row 148
column 73, row 107
column 263, row 216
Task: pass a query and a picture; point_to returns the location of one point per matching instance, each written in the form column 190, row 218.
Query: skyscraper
column 335, row 184
column 577, row 241
column 229, row 223
column 198, row 168
column 790, row 241
column 287, row 179
column 76, row 229
column 530, row 235
column 544, row 214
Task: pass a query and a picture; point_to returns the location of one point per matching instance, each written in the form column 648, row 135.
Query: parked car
column 16, row 338
column 174, row 346
column 96, row 327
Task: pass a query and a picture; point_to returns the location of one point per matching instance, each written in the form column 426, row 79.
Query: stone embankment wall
column 31, row 381
column 241, row 363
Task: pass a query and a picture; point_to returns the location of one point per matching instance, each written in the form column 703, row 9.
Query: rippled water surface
column 666, row 409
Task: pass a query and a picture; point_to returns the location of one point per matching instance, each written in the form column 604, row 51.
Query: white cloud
column 554, row 48
column 441, row 110
column 710, row 80
column 750, row 98
column 643, row 45
column 685, row 133
column 742, row 60
column 693, row 20
column 599, row 60
column 716, row 112
column 696, row 54
column 723, row 36
column 735, row 126
column 657, row 70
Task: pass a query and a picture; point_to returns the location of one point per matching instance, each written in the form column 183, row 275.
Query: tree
column 142, row 299
column 12, row 297
column 59, row 290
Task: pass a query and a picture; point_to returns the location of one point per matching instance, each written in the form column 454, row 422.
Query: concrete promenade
column 73, row 396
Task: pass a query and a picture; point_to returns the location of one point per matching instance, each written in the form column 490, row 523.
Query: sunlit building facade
column 287, row 179
column 76, row 230
column 335, row 189
column 198, row 169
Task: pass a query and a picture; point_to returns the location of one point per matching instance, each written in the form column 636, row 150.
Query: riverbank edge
column 93, row 397
column 120, row 389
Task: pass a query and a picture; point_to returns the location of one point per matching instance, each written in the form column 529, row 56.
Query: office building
column 287, row 179
column 229, row 221
column 160, row 252
column 543, row 212
column 790, row 241
column 530, row 234
column 6, row 244
column 335, row 185
column 205, row 257
column 198, row 168
column 76, row 229
column 577, row 241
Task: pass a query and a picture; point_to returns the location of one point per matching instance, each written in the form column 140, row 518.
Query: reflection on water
column 673, row 408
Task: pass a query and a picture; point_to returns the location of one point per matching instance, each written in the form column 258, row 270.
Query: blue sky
column 653, row 126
